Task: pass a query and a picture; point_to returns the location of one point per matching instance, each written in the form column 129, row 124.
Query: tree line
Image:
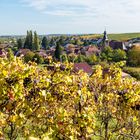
column 31, row 41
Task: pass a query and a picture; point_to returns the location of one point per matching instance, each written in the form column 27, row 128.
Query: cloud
column 75, row 16
column 37, row 4
column 84, row 7
column 87, row 16
column 64, row 7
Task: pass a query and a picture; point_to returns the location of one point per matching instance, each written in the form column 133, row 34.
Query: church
column 103, row 42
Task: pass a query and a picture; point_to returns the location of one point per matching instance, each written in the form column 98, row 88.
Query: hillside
column 123, row 36
column 119, row 37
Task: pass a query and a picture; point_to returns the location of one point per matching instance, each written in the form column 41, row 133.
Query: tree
column 92, row 60
column 30, row 40
column 64, row 58
column 58, row 51
column 45, row 43
column 107, row 54
column 134, row 56
column 78, row 42
column 52, row 41
column 36, row 42
column 86, row 43
column 28, row 56
column 62, row 40
column 72, row 58
column 119, row 55
column 28, row 44
column 80, row 58
column 19, row 43
column 38, row 59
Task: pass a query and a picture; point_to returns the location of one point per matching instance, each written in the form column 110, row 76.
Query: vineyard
column 61, row 104
column 117, row 36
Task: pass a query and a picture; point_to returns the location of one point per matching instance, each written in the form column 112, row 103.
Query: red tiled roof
column 23, row 51
column 83, row 66
column 3, row 45
column 93, row 49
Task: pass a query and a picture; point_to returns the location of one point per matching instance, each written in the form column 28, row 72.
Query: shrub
column 28, row 56
column 134, row 56
column 92, row 60
column 119, row 55
column 80, row 58
column 38, row 59
column 107, row 54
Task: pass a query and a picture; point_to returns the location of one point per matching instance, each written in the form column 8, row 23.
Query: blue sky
column 69, row 16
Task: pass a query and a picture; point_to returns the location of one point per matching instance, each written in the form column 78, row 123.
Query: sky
column 69, row 16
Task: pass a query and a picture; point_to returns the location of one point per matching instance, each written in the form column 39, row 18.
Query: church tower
column 105, row 39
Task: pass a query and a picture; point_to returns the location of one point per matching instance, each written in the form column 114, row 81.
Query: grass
column 133, row 71
column 123, row 36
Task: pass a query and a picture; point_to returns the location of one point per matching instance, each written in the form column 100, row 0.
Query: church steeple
column 105, row 39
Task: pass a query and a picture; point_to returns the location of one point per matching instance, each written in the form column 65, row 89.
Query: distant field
column 124, row 36
column 119, row 37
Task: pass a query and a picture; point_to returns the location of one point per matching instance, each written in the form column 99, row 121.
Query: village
column 83, row 52
column 66, row 82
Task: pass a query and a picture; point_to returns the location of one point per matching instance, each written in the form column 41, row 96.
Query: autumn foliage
column 66, row 105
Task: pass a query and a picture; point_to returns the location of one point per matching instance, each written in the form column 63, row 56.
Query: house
column 50, row 52
column 3, row 53
column 42, row 53
column 22, row 52
column 92, row 50
column 83, row 66
column 116, row 44
column 4, row 45
column 132, row 42
column 70, row 48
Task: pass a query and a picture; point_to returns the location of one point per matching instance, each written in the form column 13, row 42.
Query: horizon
column 69, row 17
column 71, row 34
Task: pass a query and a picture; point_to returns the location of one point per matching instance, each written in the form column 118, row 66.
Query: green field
column 119, row 37
column 124, row 36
